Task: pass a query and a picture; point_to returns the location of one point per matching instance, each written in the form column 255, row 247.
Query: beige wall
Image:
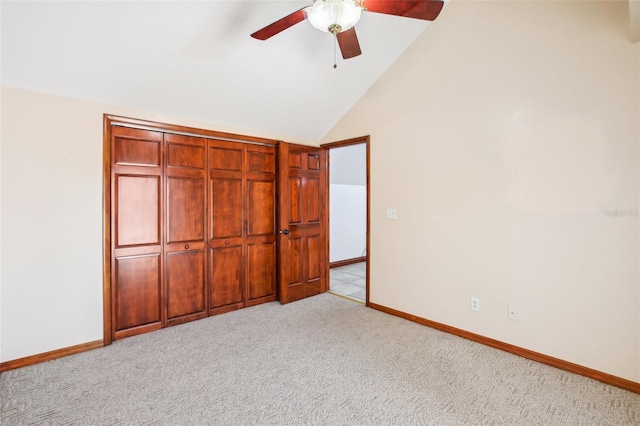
column 636, row 22
column 503, row 136
column 51, row 223
column 51, row 211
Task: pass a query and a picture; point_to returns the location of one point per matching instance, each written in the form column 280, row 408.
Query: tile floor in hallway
column 350, row 280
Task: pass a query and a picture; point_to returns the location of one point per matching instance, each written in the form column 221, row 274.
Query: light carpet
column 320, row 361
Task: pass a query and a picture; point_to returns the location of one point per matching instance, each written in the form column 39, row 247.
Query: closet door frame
column 109, row 121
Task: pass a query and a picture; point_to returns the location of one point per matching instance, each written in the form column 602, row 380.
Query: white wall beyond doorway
column 348, row 202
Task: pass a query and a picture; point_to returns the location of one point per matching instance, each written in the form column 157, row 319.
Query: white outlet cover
column 475, row 304
column 392, row 214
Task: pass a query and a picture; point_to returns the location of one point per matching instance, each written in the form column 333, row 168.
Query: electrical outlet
column 475, row 304
column 512, row 313
column 392, row 214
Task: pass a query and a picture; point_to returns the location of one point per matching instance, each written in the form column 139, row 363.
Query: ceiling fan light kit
column 339, row 17
column 334, row 16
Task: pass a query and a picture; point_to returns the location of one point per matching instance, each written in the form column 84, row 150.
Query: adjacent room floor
column 350, row 281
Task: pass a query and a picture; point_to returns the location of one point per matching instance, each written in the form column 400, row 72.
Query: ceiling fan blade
column 427, row 10
column 281, row 24
column 348, row 41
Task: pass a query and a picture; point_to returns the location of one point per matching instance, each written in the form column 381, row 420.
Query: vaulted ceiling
column 196, row 60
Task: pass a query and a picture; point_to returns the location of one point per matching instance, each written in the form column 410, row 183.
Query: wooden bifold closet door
column 192, row 228
column 242, row 240
column 185, row 221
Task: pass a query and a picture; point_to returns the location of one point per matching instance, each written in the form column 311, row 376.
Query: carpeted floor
column 320, row 361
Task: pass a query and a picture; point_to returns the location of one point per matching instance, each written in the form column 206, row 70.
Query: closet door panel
column 261, row 159
column 261, row 207
column 226, row 207
column 138, row 284
column 260, row 238
column 185, row 237
column 183, row 152
column 137, row 195
column 226, row 226
column 225, row 156
column 261, row 264
column 186, row 284
column 226, row 277
column 185, row 209
column 137, row 205
column 134, row 147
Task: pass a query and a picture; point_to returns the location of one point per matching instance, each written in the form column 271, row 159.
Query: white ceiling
column 196, row 60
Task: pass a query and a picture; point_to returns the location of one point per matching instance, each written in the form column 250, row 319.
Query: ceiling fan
column 338, row 17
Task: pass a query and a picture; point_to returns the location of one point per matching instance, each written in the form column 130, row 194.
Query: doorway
column 348, row 194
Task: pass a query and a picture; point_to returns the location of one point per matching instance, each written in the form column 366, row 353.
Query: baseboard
column 606, row 378
column 346, row 262
column 48, row 356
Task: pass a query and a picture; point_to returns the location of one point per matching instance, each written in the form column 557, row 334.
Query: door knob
column 285, row 232
column 186, row 246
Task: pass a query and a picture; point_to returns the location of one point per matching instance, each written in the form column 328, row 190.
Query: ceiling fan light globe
column 326, row 15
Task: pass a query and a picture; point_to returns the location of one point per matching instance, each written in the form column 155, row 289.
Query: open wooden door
column 302, row 184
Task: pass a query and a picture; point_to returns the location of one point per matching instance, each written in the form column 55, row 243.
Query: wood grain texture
column 51, row 355
column 173, row 128
column 226, row 282
column 281, row 24
column 259, row 161
column 137, row 291
column 600, row 376
column 185, row 152
column 138, row 210
column 242, row 217
column 303, row 261
column 176, row 160
column 106, row 230
column 185, row 283
column 185, row 234
column 261, row 265
column 225, row 157
column 225, row 207
column 185, row 209
column 427, row 10
column 349, row 45
column 137, row 229
column 260, row 198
